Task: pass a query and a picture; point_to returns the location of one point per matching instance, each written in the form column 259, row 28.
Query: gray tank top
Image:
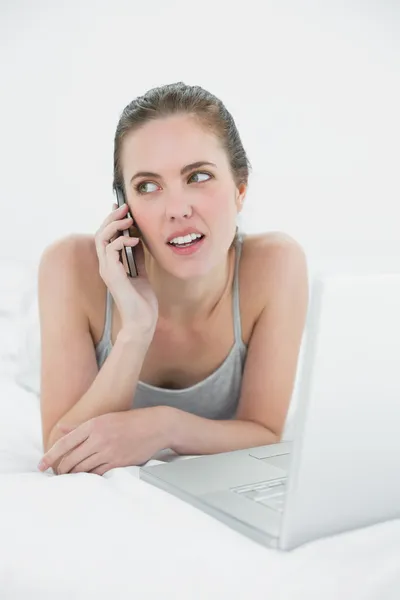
column 216, row 396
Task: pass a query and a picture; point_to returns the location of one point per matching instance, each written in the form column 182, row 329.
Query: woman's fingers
column 64, row 445
column 120, row 242
column 112, row 252
column 110, row 232
column 77, row 455
column 102, row 469
column 118, row 213
column 85, row 466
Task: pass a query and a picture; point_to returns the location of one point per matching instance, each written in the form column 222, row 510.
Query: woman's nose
column 178, row 205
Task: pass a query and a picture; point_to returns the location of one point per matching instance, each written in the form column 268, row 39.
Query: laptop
column 341, row 470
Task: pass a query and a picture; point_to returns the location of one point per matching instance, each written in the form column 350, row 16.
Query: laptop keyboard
column 270, row 493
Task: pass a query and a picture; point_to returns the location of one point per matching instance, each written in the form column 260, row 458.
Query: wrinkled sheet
column 83, row 536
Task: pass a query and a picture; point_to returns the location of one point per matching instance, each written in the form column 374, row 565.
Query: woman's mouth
column 189, row 248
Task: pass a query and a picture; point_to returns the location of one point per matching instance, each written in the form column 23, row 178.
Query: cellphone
column 127, row 251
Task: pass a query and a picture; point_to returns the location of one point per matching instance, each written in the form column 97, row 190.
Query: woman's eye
column 200, row 173
column 140, row 186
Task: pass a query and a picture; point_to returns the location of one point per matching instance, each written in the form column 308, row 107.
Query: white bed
column 83, row 536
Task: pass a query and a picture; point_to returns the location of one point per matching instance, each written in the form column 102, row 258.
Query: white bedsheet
column 83, row 536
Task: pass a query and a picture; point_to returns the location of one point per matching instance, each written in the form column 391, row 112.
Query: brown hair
column 179, row 98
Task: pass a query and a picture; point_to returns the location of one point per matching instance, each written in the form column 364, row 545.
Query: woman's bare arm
column 73, row 390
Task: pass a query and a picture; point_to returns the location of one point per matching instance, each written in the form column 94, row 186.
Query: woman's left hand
column 117, row 439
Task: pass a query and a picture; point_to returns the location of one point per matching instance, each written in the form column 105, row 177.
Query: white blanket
column 83, row 536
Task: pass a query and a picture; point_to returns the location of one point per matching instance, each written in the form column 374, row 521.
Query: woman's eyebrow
column 184, row 170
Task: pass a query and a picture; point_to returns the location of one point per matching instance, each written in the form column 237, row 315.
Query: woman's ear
column 241, row 193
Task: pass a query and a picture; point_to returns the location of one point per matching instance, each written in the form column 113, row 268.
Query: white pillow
column 27, row 370
column 14, row 275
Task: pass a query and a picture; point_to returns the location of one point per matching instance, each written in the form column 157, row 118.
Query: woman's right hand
column 134, row 297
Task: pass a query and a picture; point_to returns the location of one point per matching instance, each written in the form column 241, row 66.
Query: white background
column 314, row 88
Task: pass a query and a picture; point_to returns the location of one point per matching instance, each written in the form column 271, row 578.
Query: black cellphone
column 127, row 250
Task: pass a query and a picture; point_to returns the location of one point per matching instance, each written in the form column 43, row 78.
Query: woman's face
column 204, row 198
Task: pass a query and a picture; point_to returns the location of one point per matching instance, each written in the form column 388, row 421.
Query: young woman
column 199, row 352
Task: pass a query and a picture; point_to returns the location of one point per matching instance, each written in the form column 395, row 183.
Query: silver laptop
column 342, row 469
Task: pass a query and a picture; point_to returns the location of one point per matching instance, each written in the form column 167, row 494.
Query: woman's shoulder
column 75, row 259
column 269, row 257
column 263, row 250
column 76, row 251
column 270, row 241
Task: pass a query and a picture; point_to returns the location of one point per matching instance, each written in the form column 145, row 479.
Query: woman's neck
column 185, row 303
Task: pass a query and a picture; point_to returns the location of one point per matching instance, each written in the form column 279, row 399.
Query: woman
column 199, row 352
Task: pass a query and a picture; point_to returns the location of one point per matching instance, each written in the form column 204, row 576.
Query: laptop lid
column 345, row 467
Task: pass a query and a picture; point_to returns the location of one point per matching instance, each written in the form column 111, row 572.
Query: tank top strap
column 236, row 305
column 108, row 323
